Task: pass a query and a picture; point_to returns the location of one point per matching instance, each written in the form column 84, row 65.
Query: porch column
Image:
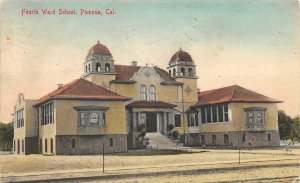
column 165, row 121
column 171, row 119
column 139, row 118
column 158, row 122
column 134, row 122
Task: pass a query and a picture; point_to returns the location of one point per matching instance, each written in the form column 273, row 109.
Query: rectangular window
column 269, row 137
column 244, row 137
column 196, row 119
column 220, row 113
column 46, row 146
column 203, row 118
column 22, row 145
column 20, row 118
column 73, row 143
column 208, row 112
column 111, row 142
column 47, row 114
column 214, row 139
column 225, row 112
column 255, row 118
column 41, row 145
column 226, row 139
column 215, row 113
column 177, row 118
column 202, row 139
column 94, row 118
column 51, row 145
column 82, row 118
column 103, row 119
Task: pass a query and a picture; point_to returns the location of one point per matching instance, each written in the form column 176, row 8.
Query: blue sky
column 251, row 43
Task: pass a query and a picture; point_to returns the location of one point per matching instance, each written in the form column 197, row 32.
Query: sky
column 254, row 44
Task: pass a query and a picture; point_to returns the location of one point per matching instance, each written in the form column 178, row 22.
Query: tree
column 6, row 136
column 288, row 127
column 296, row 129
column 285, row 125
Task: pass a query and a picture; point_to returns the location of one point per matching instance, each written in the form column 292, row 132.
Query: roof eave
column 80, row 98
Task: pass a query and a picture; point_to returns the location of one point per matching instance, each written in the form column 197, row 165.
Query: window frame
column 254, row 121
column 177, row 120
column 47, row 111
column 143, row 93
column 88, row 111
column 152, row 93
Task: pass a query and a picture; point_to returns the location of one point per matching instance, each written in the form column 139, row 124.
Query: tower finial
column 98, row 42
column 179, row 48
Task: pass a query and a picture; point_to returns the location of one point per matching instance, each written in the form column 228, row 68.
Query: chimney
column 198, row 93
column 134, row 63
column 60, row 85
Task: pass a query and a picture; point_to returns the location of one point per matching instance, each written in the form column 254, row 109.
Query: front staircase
column 159, row 141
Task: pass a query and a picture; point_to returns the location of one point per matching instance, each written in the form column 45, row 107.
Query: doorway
column 151, row 122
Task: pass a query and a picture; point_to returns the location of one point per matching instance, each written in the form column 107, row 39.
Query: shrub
column 143, row 133
column 175, row 134
column 170, row 127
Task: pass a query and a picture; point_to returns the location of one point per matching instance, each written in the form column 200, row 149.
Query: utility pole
column 239, row 150
column 103, row 157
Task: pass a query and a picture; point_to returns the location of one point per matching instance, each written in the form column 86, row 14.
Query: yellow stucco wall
column 237, row 118
column 101, row 79
column 66, row 116
column 30, row 128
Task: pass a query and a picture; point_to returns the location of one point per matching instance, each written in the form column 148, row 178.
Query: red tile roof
column 181, row 56
column 99, row 49
column 81, row 89
column 233, row 93
column 150, row 104
column 125, row 72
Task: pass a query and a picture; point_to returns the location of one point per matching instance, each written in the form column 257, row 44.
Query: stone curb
column 145, row 174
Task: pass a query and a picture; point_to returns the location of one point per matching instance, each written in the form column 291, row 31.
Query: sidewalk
column 203, row 168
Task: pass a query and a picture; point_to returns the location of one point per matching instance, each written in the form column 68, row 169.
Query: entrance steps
column 159, row 141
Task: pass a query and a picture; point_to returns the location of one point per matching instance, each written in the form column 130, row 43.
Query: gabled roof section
column 125, row 72
column 150, row 104
column 81, row 89
column 233, row 93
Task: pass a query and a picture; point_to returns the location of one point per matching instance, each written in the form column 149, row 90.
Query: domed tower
column 182, row 67
column 99, row 66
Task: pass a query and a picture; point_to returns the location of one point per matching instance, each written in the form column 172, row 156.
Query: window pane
column 94, row 118
column 215, row 113
column 103, row 118
column 226, row 112
column 177, row 120
column 220, row 112
column 208, row 112
column 82, row 118
column 203, row 118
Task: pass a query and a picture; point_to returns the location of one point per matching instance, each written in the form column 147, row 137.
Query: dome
column 181, row 56
column 98, row 49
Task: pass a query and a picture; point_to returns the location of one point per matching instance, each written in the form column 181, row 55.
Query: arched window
column 190, row 72
column 170, row 72
column 86, row 68
column 143, row 92
column 111, row 142
column 98, row 67
column 152, row 93
column 89, row 67
column 174, row 72
column 182, row 71
column 107, row 67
